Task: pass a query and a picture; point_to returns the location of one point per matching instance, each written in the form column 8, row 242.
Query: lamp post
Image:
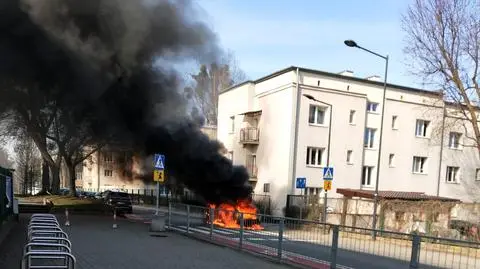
column 324, row 216
column 353, row 44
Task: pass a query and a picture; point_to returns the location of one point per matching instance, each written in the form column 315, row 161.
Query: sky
column 269, row 35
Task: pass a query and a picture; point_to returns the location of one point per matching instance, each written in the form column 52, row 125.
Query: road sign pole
column 158, row 198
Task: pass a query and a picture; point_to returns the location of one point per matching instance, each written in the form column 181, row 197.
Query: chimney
column 347, row 73
column 373, row 78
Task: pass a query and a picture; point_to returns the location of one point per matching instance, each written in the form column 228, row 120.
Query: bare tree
column 443, row 42
column 30, row 111
column 28, row 163
column 209, row 81
column 74, row 141
column 5, row 160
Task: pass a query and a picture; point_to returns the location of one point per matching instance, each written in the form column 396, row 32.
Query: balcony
column 249, row 135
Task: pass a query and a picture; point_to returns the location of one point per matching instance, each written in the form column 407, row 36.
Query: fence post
column 211, row 218
column 281, row 225
column 240, row 241
column 414, row 259
column 334, row 248
column 169, row 215
column 188, row 218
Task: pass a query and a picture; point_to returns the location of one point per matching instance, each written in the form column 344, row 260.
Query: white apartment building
column 269, row 126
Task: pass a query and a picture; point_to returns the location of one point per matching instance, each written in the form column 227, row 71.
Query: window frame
column 316, row 110
column 424, row 165
column 425, row 128
column 363, row 179
column 391, row 160
column 452, row 171
column 318, row 163
column 369, row 141
column 371, row 105
column 349, row 156
column 108, row 173
column 394, row 122
column 352, row 117
column 452, row 135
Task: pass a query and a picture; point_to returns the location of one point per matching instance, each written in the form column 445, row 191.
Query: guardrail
column 47, row 245
column 312, row 243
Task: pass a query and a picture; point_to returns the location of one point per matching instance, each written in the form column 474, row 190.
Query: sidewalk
column 97, row 246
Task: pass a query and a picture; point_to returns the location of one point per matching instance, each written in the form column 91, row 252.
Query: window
column 107, row 157
column 477, row 174
column 391, row 160
column 394, row 122
column 266, row 187
column 316, row 115
column 230, row 155
column 313, row 191
column 314, row 156
column 349, row 156
column 419, row 165
column 422, row 128
column 452, row 174
column 369, row 138
column 232, row 124
column 108, row 173
column 454, row 140
column 351, row 118
column 372, row 107
column 367, row 175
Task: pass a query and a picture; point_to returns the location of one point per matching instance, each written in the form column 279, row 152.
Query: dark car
column 120, row 201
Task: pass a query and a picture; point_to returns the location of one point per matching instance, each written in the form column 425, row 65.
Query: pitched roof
column 399, row 195
column 334, row 75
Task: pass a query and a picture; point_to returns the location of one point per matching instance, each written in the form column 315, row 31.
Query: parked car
column 120, row 201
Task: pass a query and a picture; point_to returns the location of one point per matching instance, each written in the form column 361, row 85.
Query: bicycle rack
column 47, row 245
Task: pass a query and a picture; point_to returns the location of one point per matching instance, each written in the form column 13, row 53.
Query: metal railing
column 47, row 245
column 249, row 135
column 313, row 244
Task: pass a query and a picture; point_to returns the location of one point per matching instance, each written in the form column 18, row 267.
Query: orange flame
column 228, row 215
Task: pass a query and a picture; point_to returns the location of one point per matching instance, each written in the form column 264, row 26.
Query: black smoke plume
column 110, row 61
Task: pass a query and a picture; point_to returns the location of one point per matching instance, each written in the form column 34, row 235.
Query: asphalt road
column 269, row 239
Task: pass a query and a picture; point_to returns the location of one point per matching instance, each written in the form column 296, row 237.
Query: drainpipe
column 441, row 149
column 295, row 143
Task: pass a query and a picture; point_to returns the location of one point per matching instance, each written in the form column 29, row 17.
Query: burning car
column 227, row 215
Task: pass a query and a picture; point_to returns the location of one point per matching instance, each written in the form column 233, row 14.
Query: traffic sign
column 327, row 173
column 327, row 185
column 301, row 183
column 158, row 175
column 159, row 161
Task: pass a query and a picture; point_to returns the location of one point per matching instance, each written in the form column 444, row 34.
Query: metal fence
column 47, row 245
column 315, row 244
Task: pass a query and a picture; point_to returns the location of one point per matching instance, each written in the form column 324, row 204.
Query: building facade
column 114, row 167
column 279, row 134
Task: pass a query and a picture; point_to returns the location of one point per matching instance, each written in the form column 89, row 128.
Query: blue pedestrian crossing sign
column 328, row 173
column 301, row 183
column 159, row 161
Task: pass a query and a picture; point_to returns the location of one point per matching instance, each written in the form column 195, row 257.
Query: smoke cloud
column 100, row 58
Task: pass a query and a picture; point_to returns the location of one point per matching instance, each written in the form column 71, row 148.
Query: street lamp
column 324, row 216
column 353, row 44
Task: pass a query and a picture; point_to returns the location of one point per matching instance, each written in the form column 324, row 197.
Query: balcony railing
column 249, row 135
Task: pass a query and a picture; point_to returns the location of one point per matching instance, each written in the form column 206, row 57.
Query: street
column 317, row 247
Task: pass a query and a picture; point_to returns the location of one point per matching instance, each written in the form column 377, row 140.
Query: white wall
column 276, row 97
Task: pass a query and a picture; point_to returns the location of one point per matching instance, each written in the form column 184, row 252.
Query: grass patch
column 58, row 200
column 74, row 204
